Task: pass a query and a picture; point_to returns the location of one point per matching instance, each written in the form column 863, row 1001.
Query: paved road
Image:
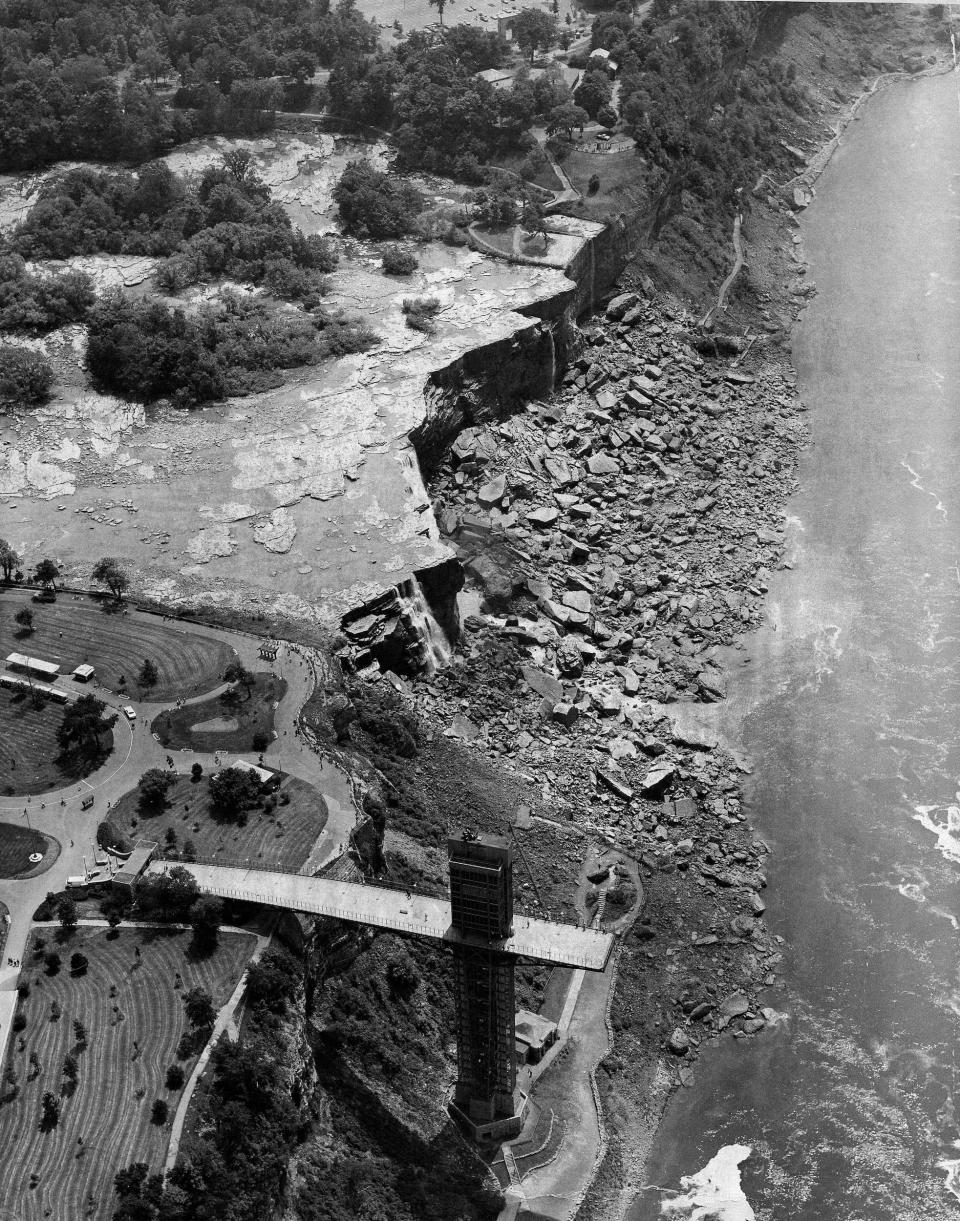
column 59, row 813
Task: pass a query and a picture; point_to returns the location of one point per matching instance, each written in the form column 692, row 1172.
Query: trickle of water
column 552, row 366
column 419, row 618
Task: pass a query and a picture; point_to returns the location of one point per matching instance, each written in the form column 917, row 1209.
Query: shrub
column 52, row 961
column 159, row 1112
column 25, row 376
column 399, row 262
column 175, row 1077
column 37, row 304
column 19, row 1022
column 420, row 313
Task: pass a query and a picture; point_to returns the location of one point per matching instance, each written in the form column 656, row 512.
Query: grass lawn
column 621, row 179
column 117, row 1084
column 544, row 177
column 281, row 836
column 224, row 722
column 16, row 845
column 71, row 632
column 29, row 755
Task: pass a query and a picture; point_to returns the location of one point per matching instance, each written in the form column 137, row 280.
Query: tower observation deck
column 485, row 935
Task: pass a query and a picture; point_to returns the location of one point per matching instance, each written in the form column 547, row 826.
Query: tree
column 24, row 617
column 70, row 1068
column 84, row 724
column 149, row 675
column 153, row 786
column 594, row 92
column 196, row 771
column 565, row 118
column 78, row 963
column 205, row 917
column 440, row 5
column 159, row 1111
column 108, row 572
column 79, row 1033
column 236, row 672
column 175, row 1077
column 232, row 792
column 198, row 1006
column 8, row 560
column 67, row 915
column 50, row 1115
column 46, row 573
column 534, row 30
column 52, row 961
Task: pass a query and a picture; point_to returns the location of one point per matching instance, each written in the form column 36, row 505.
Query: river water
column 849, row 706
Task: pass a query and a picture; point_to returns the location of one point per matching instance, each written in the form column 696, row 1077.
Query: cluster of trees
column 251, row 1118
column 174, row 896
column 374, row 204
column 37, row 304
column 227, row 225
column 707, row 116
column 59, row 61
column 443, row 117
column 143, row 350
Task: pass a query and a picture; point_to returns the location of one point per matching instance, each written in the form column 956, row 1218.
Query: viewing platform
column 562, row 945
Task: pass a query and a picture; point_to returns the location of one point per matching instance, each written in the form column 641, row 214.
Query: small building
column 269, row 779
column 499, row 78
column 33, row 665
column 600, row 58
column 269, row 650
column 136, row 862
column 83, row 674
column 535, row 1035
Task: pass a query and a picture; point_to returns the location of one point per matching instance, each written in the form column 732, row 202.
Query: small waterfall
column 552, row 366
column 430, row 638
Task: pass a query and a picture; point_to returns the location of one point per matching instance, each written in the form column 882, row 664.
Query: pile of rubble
column 619, row 536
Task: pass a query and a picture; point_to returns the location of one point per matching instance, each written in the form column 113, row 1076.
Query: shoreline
column 730, row 737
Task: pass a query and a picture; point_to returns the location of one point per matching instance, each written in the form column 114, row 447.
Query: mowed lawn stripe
column 71, row 633
column 29, row 750
column 104, row 1110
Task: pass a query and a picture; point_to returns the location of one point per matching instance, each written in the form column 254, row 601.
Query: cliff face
column 484, row 383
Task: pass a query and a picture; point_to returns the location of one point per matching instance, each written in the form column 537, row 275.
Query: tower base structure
column 490, row 1129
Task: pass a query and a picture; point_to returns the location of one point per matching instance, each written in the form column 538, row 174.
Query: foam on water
column 713, row 1193
column 951, row 1166
column 946, row 828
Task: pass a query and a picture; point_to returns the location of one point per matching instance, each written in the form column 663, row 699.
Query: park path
column 60, row 815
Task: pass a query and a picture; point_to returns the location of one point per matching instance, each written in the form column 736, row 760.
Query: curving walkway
column 59, row 813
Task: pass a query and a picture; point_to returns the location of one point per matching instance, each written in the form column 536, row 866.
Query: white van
column 129, row 712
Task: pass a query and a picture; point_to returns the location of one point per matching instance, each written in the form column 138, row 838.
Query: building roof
column 263, row 774
column 32, row 663
column 136, row 862
column 534, row 1029
column 84, row 671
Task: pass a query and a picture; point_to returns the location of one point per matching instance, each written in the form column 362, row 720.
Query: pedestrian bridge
column 562, row 945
